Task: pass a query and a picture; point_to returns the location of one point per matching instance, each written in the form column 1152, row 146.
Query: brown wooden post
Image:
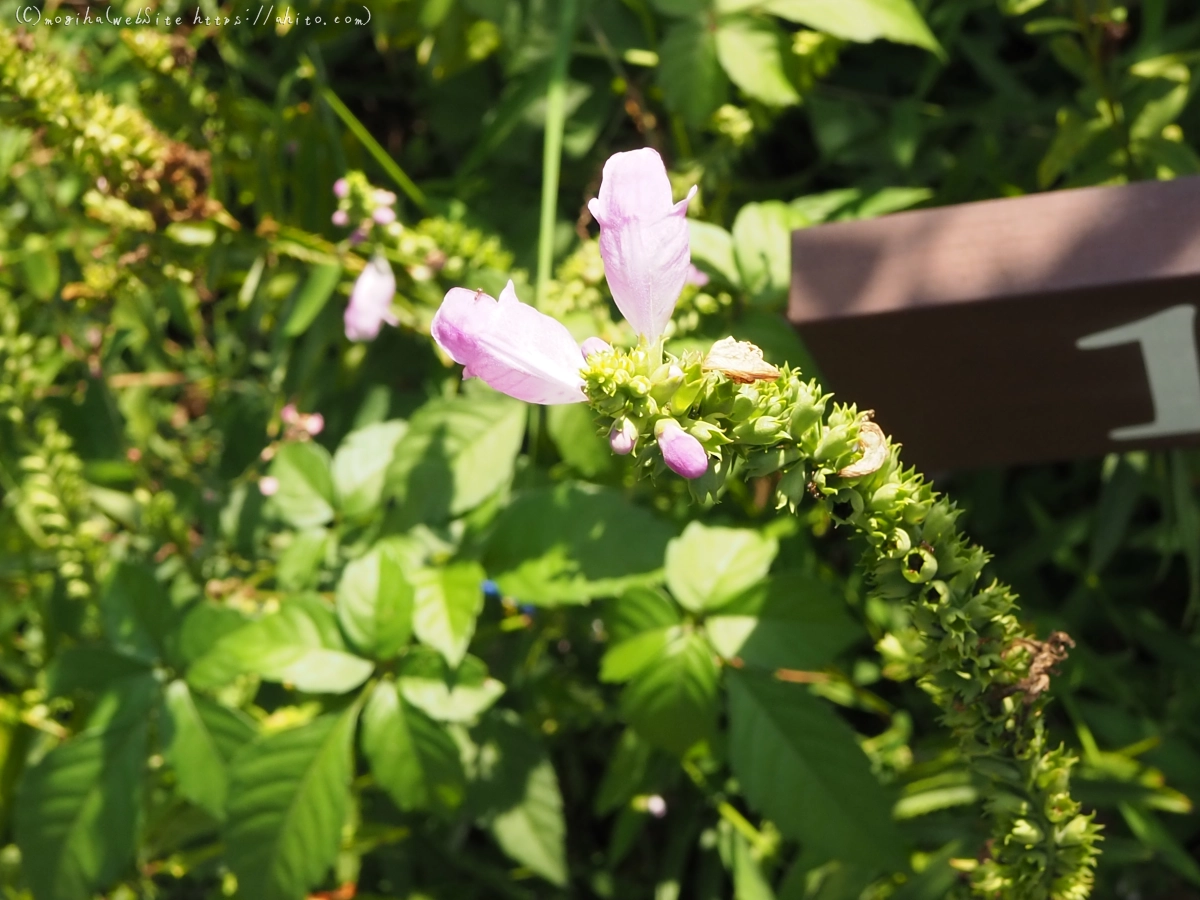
column 1038, row 328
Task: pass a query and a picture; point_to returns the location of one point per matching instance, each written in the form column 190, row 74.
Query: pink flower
column 340, row 218
column 268, row 485
column 683, row 454
column 371, row 301
column 314, row 424
column 384, row 215
column 594, row 345
column 622, row 437
column 510, row 346
column 289, row 414
column 643, row 239
column 341, row 187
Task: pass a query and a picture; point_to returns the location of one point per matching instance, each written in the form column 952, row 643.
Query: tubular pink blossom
column 510, row 346
column 683, row 454
column 371, row 301
column 643, row 239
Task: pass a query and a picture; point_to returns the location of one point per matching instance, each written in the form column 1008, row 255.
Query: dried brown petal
column 873, row 443
column 739, row 361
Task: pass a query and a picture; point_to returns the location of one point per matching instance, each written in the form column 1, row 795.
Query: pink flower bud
column 384, row 198
column 268, row 485
column 623, row 437
column 594, row 345
column 340, row 218
column 289, row 414
column 683, row 454
column 384, row 215
column 315, row 424
column 656, row 806
column 341, row 187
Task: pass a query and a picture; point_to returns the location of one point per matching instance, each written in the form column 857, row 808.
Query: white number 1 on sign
column 1168, row 341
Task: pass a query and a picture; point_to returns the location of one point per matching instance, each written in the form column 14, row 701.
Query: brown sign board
column 1031, row 329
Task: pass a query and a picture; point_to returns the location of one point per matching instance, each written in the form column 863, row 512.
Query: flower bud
column 384, row 215
column 682, row 453
column 340, row 218
column 761, row 431
column 341, row 188
column 594, row 345
column 268, row 485
column 623, row 437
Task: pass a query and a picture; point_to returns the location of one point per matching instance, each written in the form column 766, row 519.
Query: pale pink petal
column 643, row 239
column 683, row 454
column 696, row 277
column 268, row 485
column 371, row 301
column 510, row 346
column 594, row 345
column 314, row 424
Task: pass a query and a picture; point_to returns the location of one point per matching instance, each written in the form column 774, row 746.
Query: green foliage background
column 463, row 651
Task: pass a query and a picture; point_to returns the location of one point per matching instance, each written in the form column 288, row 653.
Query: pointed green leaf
column 299, row 645
column 860, row 20
column 572, row 543
column 625, row 660
column 455, row 454
column 639, row 609
column 800, row 766
column 693, row 84
column 300, row 563
column 448, row 600
column 762, row 241
column 375, row 603
column 791, row 621
column 708, row 566
column 138, row 614
column 516, row 793
column 752, row 53
column 288, row 798
column 305, row 495
column 449, row 695
column 712, row 250
column 360, row 466
column 77, row 811
column 90, row 668
column 318, row 288
column 200, row 738
column 412, row 757
column 673, row 702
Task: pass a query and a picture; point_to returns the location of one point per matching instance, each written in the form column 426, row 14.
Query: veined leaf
column 448, row 600
column 305, row 496
column 77, row 811
column 860, row 20
column 287, row 803
column 751, row 51
column 672, row 703
column 693, row 84
column 707, row 566
column 800, row 765
column 360, row 466
column 412, row 757
column 449, row 695
column 201, row 738
column 375, row 603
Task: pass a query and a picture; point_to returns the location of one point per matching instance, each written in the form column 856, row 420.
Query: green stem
column 556, row 115
column 381, row 156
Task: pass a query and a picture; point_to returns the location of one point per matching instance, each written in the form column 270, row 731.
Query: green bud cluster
column 965, row 644
column 114, row 144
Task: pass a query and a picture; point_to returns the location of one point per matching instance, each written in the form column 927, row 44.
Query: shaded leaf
column 673, row 702
column 449, row 695
column 860, row 20
column 375, row 603
column 690, row 75
column 200, row 739
column 360, row 466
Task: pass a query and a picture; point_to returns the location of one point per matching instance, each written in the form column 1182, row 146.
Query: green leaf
column 360, row 466
column 455, row 454
column 201, row 738
column 791, row 621
column 300, row 562
column 752, row 53
column 693, row 84
column 77, row 811
column 762, row 242
column 626, row 659
column 412, row 757
column 299, row 645
column 515, row 792
column 1118, row 498
column 40, row 262
column 288, row 798
column 305, row 495
column 800, row 766
column 712, row 251
column 375, row 603
column 860, row 20
column 572, row 427
column 639, row 609
column 138, row 614
column 707, row 566
column 448, row 600
column 450, row 695
column 318, row 288
column 673, row 703
column 624, row 773
column 91, row 669
column 1151, row 832
column 681, row 7
column 572, row 543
